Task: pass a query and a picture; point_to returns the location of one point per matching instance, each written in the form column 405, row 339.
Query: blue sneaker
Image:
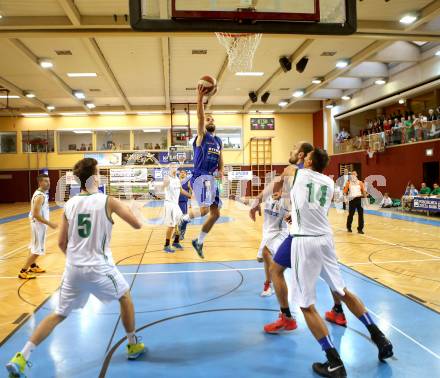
column 198, row 247
column 178, row 246
column 182, row 228
column 168, row 249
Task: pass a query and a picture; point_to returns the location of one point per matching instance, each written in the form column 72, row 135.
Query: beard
column 293, row 160
column 210, row 128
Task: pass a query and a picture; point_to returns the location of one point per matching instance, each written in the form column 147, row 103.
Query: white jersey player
column 313, row 255
column 84, row 237
column 275, row 231
column 172, row 212
column 39, row 221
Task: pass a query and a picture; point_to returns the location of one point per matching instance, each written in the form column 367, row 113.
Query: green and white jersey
column 90, row 230
column 44, row 207
column 311, row 196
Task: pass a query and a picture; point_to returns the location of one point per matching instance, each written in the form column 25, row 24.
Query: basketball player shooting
column 208, row 161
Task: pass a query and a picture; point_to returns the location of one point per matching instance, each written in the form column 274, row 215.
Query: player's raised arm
column 277, row 185
column 124, row 212
column 200, row 114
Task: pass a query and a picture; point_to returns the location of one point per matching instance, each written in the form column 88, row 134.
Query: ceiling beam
column 298, row 53
column 20, row 46
column 18, row 91
column 219, row 78
column 165, row 52
column 96, row 52
column 71, row 11
column 426, row 14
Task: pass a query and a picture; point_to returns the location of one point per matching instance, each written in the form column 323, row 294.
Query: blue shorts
column 184, row 206
column 206, row 195
column 282, row 256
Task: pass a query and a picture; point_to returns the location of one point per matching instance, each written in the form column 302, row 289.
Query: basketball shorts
column 206, row 190
column 282, row 255
column 272, row 242
column 183, row 206
column 172, row 214
column 38, row 238
column 313, row 257
column 105, row 282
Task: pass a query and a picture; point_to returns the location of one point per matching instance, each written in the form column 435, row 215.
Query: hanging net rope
column 240, row 49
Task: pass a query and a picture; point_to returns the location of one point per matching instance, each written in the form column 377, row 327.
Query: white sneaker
column 267, row 292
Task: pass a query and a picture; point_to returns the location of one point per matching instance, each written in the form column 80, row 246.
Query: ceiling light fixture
column 80, row 95
column 317, row 80
column 298, row 93
column 346, row 97
column 29, row 94
column 9, row 96
column 111, row 113
column 82, row 131
column 437, row 53
column 330, row 105
column 73, row 114
column 90, row 105
column 408, row 19
column 50, row 107
column 402, row 101
column 342, row 63
column 283, row 103
column 82, row 74
column 249, row 73
column 380, row 82
column 34, row 114
column 151, row 130
column 45, row 63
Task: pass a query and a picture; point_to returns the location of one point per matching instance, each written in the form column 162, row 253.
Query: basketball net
column 240, row 48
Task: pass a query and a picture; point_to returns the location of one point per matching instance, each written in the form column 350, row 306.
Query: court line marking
column 393, row 244
column 406, row 335
column 229, row 270
column 2, row 257
column 389, row 262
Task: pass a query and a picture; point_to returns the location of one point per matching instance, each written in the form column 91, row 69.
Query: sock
column 176, row 239
column 131, row 337
column 366, row 319
column 202, row 237
column 286, row 311
column 23, row 270
column 27, row 350
column 186, row 218
column 167, row 242
column 338, row 308
column 326, row 343
column 33, row 265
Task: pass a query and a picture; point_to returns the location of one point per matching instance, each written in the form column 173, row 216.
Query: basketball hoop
column 240, row 48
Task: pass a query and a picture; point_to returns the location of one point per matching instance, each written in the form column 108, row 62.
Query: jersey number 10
column 319, row 196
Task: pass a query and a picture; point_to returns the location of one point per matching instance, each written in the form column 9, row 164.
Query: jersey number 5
column 84, row 225
column 320, row 196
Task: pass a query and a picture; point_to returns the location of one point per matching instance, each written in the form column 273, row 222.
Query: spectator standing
column 355, row 191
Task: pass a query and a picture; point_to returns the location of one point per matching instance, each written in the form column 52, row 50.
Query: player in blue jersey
column 208, row 165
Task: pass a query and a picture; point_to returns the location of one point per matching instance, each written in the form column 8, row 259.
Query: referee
column 355, row 189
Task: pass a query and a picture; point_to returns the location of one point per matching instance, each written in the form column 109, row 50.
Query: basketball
column 210, row 83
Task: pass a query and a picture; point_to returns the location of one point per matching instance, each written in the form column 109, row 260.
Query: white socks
column 27, row 350
column 202, row 237
column 132, row 339
column 186, row 218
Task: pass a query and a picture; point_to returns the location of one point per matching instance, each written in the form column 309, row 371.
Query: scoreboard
column 262, row 123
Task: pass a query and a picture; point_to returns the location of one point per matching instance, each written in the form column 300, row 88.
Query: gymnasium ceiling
column 146, row 72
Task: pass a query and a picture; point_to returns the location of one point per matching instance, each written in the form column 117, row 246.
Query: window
column 8, row 142
column 231, row 137
column 151, row 139
column 38, row 141
column 74, row 141
column 111, row 140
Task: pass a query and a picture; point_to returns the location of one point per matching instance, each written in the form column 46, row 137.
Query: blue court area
column 206, row 320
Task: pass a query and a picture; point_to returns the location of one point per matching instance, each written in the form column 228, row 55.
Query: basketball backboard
column 331, row 17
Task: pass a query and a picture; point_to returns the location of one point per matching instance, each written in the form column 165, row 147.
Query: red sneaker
column 283, row 324
column 336, row 317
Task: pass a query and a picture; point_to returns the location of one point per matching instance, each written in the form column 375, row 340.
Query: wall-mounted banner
column 106, row 159
column 240, row 175
column 426, row 204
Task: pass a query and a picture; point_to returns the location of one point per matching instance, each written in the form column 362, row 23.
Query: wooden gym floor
column 402, row 254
